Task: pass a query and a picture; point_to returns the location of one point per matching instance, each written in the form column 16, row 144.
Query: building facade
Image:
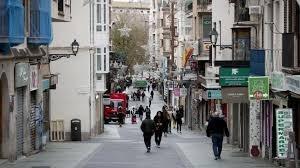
column 25, row 81
column 85, row 85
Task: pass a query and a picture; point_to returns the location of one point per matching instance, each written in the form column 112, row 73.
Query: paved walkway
column 124, row 148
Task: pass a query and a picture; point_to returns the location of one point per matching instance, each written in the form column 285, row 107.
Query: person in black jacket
column 216, row 129
column 158, row 120
column 148, row 127
column 141, row 112
column 179, row 115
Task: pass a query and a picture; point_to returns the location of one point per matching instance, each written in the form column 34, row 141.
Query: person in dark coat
column 147, row 110
column 166, row 120
column 179, row 115
column 152, row 94
column 216, row 129
column 148, row 88
column 143, row 96
column 148, row 128
column 158, row 120
column 120, row 115
column 141, row 112
column 150, row 101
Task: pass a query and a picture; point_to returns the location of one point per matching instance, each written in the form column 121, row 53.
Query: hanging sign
column 21, row 74
column 234, row 76
column 278, row 81
column 177, row 92
column 258, row 88
column 284, row 125
column 33, row 77
column 183, row 92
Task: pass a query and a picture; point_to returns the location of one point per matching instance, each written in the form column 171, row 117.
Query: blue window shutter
column 257, row 62
column 11, row 14
column 41, row 23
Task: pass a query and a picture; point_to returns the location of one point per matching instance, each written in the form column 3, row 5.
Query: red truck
column 111, row 103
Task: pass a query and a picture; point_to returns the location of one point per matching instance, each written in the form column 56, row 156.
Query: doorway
column 4, row 110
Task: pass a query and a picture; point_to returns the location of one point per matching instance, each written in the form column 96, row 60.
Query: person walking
column 120, row 115
column 158, row 120
column 179, row 115
column 148, row 128
column 143, row 96
column 152, row 94
column 216, row 129
column 166, row 120
column 141, row 112
column 150, row 101
column 148, row 111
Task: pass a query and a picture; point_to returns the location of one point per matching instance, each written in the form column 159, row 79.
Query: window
column 104, row 63
column 99, row 59
column 241, row 44
column 98, row 13
column 104, row 15
column 104, row 28
column 99, row 28
column 60, row 5
column 104, row 49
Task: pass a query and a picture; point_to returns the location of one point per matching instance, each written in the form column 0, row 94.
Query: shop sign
column 235, row 95
column 34, row 77
column 284, row 125
column 46, row 84
column 212, row 94
column 293, row 83
column 258, row 88
column 166, row 90
column 177, row 92
column 21, row 74
column 234, row 76
column 278, row 81
column 183, row 92
column 171, row 85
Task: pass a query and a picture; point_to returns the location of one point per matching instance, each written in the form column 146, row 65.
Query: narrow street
column 124, row 148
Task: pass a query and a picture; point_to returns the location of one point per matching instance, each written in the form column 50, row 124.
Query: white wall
column 224, row 11
column 65, row 32
column 71, row 97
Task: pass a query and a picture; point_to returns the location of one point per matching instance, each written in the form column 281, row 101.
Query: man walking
column 216, row 129
column 148, row 127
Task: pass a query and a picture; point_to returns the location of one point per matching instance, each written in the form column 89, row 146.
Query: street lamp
column 74, row 47
column 213, row 39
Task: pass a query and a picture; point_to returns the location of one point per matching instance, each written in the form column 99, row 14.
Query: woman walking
column 158, row 120
column 166, row 120
column 179, row 115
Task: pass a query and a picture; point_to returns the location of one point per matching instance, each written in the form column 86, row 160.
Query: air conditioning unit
column 255, row 10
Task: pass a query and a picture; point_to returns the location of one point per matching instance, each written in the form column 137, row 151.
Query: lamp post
column 213, row 39
column 74, row 47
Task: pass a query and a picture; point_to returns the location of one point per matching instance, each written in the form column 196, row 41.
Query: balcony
column 241, row 11
column 11, row 14
column 40, row 23
column 204, row 6
column 61, row 11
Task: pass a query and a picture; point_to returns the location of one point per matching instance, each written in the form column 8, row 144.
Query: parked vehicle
column 116, row 100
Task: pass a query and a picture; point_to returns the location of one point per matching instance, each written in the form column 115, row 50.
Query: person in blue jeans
column 216, row 129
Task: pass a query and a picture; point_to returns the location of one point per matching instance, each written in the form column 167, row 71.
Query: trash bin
column 75, row 130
